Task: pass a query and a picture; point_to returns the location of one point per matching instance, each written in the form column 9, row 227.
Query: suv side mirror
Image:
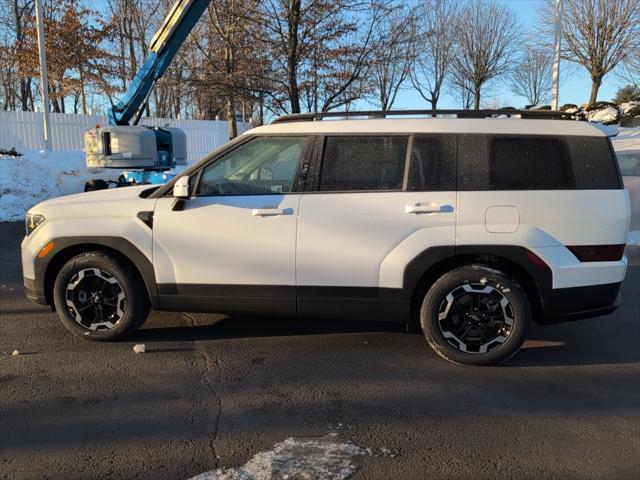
column 181, row 188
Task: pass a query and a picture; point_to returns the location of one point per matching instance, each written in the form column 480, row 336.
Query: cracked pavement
column 211, row 392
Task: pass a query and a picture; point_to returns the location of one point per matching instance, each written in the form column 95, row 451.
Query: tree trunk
column 231, row 117
column 595, row 86
column 476, row 99
column 292, row 55
column 82, row 92
column 24, row 96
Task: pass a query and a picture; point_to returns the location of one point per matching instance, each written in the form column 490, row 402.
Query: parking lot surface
column 212, row 392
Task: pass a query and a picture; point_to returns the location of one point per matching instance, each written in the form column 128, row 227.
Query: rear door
column 375, row 204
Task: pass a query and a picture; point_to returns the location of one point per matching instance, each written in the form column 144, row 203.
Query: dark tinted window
column 530, row 163
column 353, row 163
column 473, row 162
column 594, row 163
column 433, row 163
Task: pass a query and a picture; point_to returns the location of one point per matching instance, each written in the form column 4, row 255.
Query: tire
column 475, row 315
column 100, row 298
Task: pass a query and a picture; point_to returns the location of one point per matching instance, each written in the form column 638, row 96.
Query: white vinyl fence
column 22, row 130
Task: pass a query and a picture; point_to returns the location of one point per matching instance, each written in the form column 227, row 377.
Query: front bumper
column 34, row 293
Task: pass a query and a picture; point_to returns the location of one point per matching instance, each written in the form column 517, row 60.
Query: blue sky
column 574, row 85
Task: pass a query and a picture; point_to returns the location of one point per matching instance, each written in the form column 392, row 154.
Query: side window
column 530, row 163
column 263, row 166
column 595, row 163
column 433, row 163
column 473, row 162
column 357, row 163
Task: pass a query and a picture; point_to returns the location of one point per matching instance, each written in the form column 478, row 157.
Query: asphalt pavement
column 212, row 392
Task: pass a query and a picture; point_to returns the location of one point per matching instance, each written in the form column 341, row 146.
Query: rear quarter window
column 529, row 162
column 536, row 162
column 594, row 163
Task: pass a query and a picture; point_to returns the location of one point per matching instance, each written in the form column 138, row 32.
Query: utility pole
column 556, row 56
column 44, row 84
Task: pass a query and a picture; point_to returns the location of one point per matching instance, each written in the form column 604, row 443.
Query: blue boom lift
column 145, row 153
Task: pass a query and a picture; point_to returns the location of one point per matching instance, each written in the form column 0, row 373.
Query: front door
column 231, row 247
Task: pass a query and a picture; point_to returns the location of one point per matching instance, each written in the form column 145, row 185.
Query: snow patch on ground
column 634, row 238
column 628, row 139
column 39, row 175
column 299, row 458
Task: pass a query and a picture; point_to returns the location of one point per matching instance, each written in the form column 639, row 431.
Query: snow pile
column 39, row 175
column 607, row 116
column 607, row 113
column 630, row 109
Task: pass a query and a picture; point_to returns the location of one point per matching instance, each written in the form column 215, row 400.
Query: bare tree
column 630, row 69
column 463, row 90
column 393, row 58
column 227, row 19
column 488, row 37
column 320, row 49
column 434, row 47
column 17, row 83
column 531, row 75
column 599, row 35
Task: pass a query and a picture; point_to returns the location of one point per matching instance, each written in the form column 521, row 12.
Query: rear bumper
column 577, row 303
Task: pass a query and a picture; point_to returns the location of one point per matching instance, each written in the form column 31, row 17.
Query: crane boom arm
column 165, row 43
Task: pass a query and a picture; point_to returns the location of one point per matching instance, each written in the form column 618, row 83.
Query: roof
column 507, row 126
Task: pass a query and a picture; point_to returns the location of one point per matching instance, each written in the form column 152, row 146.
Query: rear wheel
column 99, row 298
column 475, row 315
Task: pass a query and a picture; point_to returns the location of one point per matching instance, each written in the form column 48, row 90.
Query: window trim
column 295, row 184
column 318, row 160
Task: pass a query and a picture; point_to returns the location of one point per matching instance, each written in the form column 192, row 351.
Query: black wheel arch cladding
column 65, row 248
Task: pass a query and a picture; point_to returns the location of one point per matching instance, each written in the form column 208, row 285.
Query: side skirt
column 215, row 298
column 343, row 303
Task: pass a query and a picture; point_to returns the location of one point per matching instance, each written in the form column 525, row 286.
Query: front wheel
column 475, row 315
column 99, row 298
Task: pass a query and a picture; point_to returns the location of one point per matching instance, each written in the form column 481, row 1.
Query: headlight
column 32, row 221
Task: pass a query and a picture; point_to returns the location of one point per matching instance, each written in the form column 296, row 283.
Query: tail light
column 598, row 253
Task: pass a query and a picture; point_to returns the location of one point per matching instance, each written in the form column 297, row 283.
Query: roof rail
column 528, row 114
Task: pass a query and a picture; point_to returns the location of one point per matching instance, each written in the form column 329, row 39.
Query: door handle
column 423, row 208
column 271, row 212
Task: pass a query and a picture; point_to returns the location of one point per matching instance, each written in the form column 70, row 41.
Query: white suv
column 472, row 226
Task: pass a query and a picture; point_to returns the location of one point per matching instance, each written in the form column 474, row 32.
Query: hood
column 98, row 196
column 122, row 202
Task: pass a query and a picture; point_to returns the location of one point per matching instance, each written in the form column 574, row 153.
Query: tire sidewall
column 507, row 286
column 103, row 262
